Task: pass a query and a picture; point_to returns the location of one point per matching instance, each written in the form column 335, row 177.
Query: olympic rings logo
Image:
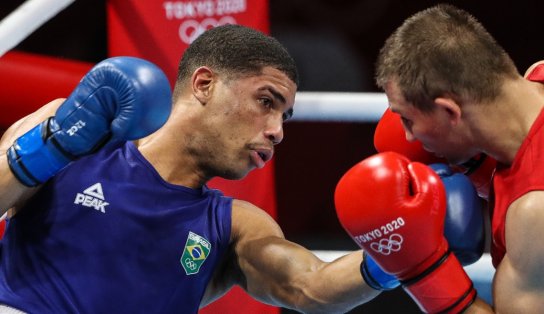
column 189, row 30
column 192, row 265
column 387, row 246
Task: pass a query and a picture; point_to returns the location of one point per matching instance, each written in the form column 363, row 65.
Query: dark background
column 335, row 44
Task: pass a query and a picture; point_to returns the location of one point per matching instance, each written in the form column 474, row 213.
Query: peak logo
column 92, row 197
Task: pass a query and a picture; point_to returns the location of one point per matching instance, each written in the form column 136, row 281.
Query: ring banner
column 160, row 31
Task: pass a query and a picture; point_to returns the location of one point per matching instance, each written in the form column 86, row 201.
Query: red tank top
column 509, row 183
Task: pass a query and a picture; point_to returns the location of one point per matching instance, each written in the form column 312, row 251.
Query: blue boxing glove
column 464, row 222
column 121, row 98
column 463, row 227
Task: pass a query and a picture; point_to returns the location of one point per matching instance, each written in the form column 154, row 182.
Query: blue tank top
column 109, row 235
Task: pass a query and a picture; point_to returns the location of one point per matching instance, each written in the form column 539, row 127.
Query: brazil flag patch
column 195, row 253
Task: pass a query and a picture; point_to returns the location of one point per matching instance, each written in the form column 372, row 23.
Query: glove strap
column 446, row 288
column 375, row 277
column 33, row 158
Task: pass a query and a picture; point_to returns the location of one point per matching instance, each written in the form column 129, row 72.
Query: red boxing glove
column 394, row 209
column 535, row 72
column 390, row 136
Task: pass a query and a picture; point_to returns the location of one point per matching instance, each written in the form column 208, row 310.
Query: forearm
column 12, row 192
column 334, row 287
column 287, row 275
column 282, row 273
column 338, row 286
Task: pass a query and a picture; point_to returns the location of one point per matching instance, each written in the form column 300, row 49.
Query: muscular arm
column 519, row 280
column 12, row 192
column 279, row 272
column 518, row 286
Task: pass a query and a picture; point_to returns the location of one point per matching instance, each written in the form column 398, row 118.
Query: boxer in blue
column 109, row 208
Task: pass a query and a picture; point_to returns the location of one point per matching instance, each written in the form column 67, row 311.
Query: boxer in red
column 460, row 94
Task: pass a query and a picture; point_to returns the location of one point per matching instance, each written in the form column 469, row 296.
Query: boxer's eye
column 267, row 102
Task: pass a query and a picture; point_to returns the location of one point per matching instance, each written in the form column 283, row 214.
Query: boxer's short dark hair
column 442, row 51
column 236, row 50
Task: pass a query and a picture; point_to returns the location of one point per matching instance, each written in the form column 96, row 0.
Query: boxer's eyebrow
column 278, row 96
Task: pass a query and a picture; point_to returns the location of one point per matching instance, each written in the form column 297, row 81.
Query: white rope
column 24, row 20
column 339, row 106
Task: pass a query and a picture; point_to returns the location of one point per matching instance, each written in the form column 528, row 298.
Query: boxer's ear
column 450, row 107
column 202, row 82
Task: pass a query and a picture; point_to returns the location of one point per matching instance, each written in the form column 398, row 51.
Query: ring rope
column 339, row 106
column 24, row 20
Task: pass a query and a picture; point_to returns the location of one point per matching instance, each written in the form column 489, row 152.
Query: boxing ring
column 338, row 107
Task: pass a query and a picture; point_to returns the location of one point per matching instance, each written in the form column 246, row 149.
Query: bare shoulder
column 518, row 285
column 524, row 225
column 528, row 206
column 250, row 222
